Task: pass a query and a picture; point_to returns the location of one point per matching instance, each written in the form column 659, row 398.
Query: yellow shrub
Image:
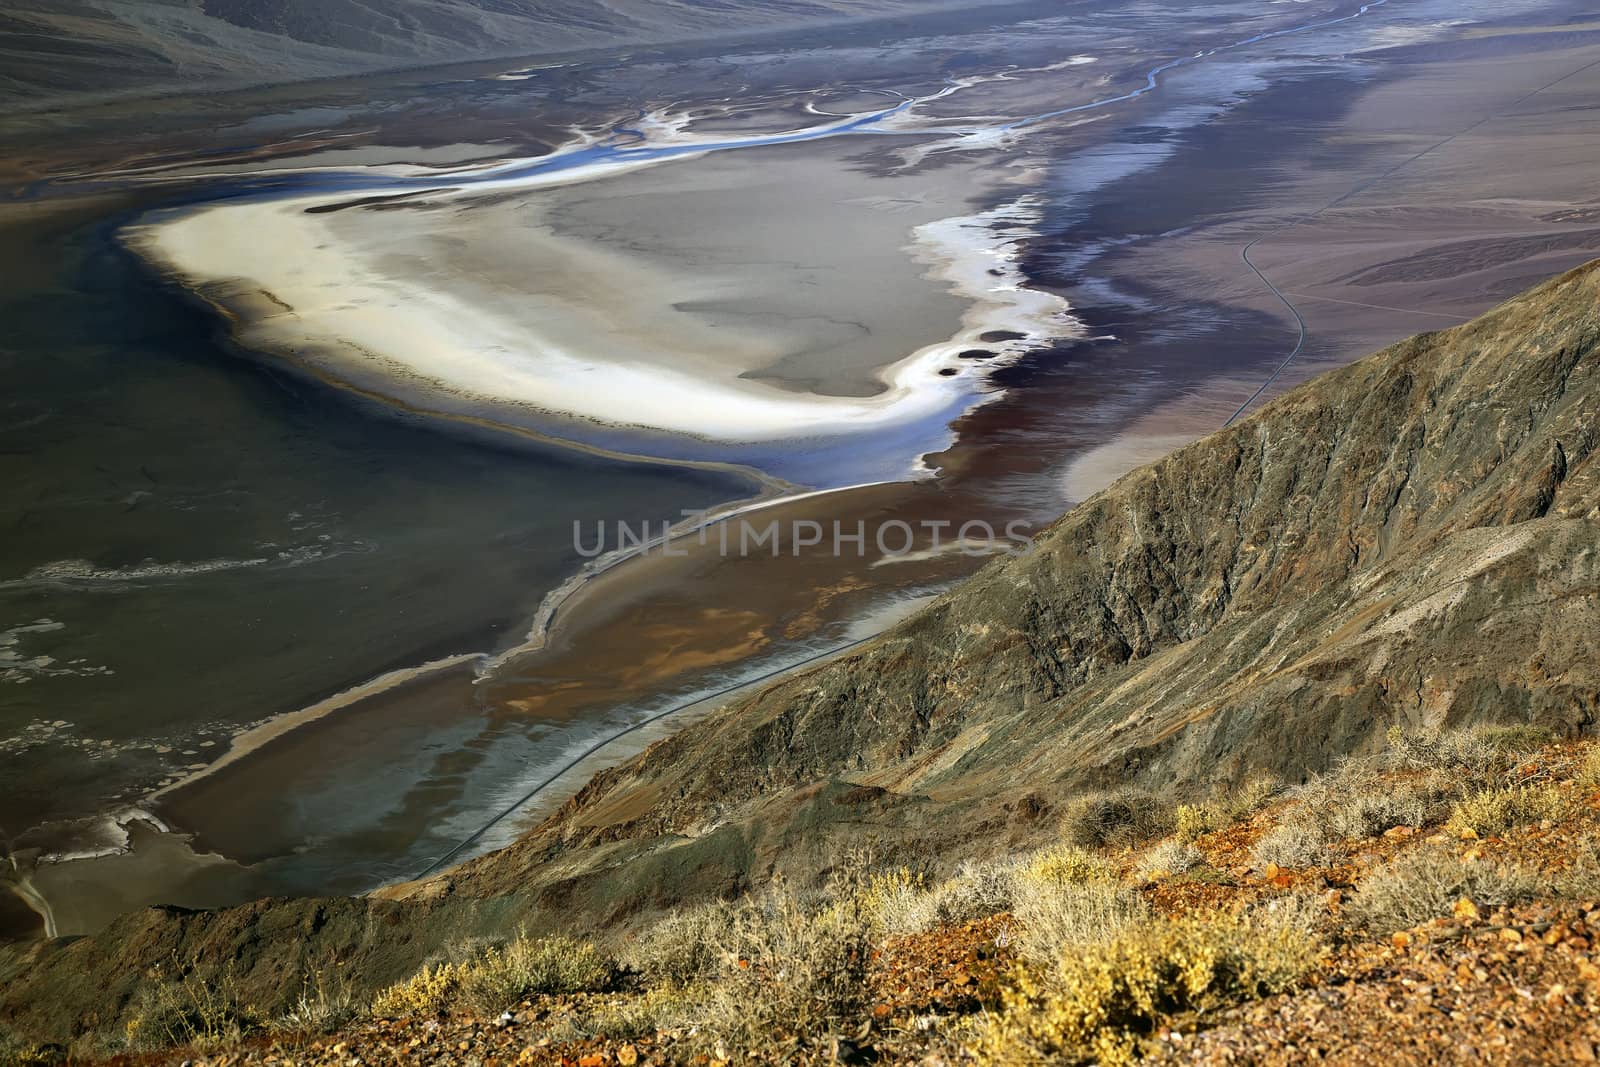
column 1099, row 1002
column 528, row 966
column 1589, row 769
column 424, row 993
column 893, row 900
column 1494, row 811
column 1066, row 865
column 1192, row 820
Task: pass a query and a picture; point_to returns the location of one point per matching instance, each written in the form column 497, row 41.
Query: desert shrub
column 1479, row 753
column 528, row 967
column 977, row 891
column 1494, row 811
column 324, row 1005
column 1353, row 801
column 15, row 1052
column 206, row 1012
column 626, row 1018
column 499, row 976
column 1378, row 805
column 1580, row 878
column 1426, row 883
column 1515, row 740
column 1588, row 772
column 1123, row 816
column 1192, row 820
column 1170, row 857
column 1251, row 797
column 896, row 901
column 787, row 968
column 682, row 948
column 1060, row 918
column 1098, row 1002
column 424, row 993
column 1065, row 865
column 1292, row 843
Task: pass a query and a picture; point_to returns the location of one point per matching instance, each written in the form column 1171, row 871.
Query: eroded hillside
column 1411, row 541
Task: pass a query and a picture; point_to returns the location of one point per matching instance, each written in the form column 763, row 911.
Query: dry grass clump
column 1059, row 919
column 15, row 1052
column 527, row 967
column 1588, row 772
column 682, row 948
column 895, row 901
column 1119, row 817
column 977, row 891
column 1255, row 794
column 1426, row 883
column 1096, row 1003
column 902, row 903
column 1494, row 811
column 626, row 1018
column 1362, row 797
column 206, row 1013
column 1478, row 752
column 1355, row 800
column 324, row 1005
column 1168, row 858
column 791, row 971
column 500, row 977
column 1292, row 843
column 1064, row 865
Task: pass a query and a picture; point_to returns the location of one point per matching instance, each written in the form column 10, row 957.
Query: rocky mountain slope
column 50, row 49
column 1413, row 540
column 1439, row 903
